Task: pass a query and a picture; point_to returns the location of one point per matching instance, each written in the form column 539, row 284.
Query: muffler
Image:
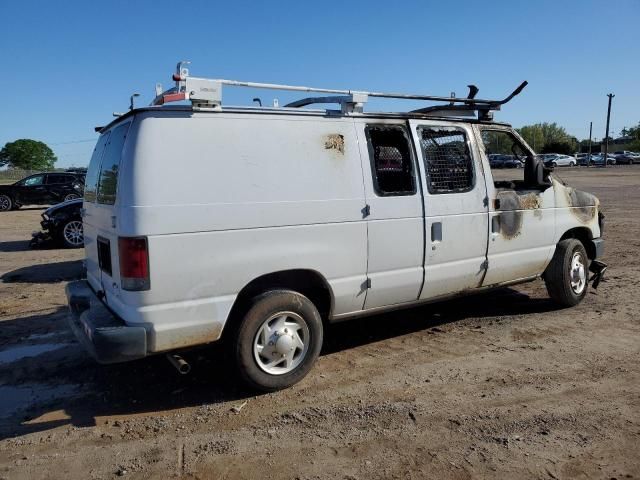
column 180, row 364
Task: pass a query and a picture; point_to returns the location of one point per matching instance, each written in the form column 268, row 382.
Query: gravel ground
column 502, row 384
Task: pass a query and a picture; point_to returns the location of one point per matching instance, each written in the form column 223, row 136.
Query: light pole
column 606, row 138
column 590, row 132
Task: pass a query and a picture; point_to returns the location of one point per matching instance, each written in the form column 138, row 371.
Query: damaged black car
column 62, row 225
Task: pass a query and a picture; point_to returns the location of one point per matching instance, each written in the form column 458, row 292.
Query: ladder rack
column 206, row 94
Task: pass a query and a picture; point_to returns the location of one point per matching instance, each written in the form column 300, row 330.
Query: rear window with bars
column 447, row 159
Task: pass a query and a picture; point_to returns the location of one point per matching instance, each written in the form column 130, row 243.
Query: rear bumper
column 105, row 336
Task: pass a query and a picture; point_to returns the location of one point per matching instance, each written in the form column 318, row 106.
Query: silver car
column 558, row 160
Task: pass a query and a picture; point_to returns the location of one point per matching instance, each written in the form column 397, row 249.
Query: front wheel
column 572, row 164
column 278, row 340
column 566, row 277
column 73, row 234
column 6, row 203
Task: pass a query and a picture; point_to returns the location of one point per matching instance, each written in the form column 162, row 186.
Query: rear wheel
column 567, row 275
column 73, row 234
column 71, row 196
column 6, row 203
column 278, row 340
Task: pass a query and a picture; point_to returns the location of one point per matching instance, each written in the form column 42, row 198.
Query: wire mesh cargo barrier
column 447, row 160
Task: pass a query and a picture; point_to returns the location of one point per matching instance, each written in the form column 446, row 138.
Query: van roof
column 299, row 112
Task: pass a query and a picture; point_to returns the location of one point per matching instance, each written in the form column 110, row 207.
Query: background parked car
column 42, row 189
column 599, row 159
column 511, row 161
column 627, row 157
column 62, row 223
column 496, row 160
column 558, row 160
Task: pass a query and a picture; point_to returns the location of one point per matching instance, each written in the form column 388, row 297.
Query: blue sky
column 68, row 65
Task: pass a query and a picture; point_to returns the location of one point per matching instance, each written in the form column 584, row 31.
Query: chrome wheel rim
column 71, row 196
column 578, row 273
column 73, row 233
column 5, row 203
column 281, row 343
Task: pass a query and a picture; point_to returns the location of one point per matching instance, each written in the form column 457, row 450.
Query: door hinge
column 484, row 265
column 485, row 201
column 366, row 211
column 367, row 284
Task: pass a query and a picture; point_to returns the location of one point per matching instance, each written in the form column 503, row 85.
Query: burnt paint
column 335, row 141
column 581, row 204
column 512, row 207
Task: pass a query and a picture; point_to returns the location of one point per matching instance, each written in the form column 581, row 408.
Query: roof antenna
column 258, row 101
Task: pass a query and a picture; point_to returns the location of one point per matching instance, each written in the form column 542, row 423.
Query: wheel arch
column 585, row 236
column 309, row 283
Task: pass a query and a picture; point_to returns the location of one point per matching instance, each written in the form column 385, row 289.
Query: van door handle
column 436, row 232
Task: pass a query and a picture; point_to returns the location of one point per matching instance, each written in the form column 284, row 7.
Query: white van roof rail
column 206, row 94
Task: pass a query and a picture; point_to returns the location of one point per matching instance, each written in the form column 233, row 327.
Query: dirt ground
column 500, row 385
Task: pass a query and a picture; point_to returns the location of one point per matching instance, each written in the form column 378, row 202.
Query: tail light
column 134, row 263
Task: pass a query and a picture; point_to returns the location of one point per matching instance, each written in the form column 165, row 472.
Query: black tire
column 6, row 203
column 70, row 196
column 243, row 339
column 558, row 275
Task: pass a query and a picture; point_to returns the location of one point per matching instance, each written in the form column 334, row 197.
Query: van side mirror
column 536, row 175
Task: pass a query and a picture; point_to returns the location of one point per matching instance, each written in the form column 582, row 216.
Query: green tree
column 27, row 154
column 543, row 137
column 634, row 133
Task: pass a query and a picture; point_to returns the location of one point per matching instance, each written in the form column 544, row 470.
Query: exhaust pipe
column 179, row 363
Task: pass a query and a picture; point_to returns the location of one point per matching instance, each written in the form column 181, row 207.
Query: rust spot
column 334, row 141
column 582, row 204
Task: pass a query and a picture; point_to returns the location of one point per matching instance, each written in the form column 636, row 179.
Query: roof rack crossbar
column 206, row 93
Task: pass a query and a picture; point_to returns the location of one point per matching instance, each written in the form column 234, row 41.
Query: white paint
column 225, row 197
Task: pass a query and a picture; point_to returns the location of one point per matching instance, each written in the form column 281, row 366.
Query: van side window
column 391, row 162
column 507, row 158
column 108, row 181
column 91, row 180
column 448, row 162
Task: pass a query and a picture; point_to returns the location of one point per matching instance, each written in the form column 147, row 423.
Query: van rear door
column 100, row 204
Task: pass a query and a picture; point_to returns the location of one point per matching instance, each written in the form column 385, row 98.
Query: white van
column 258, row 225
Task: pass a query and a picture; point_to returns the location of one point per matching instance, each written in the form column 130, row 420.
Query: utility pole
column 606, row 138
column 590, row 132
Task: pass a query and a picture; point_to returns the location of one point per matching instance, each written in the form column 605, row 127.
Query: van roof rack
column 206, row 94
